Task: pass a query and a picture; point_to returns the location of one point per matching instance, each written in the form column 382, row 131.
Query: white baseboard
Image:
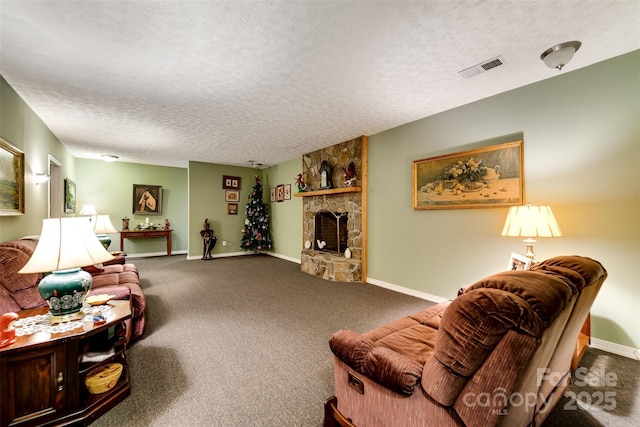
column 406, row 291
column 611, row 347
column 151, row 254
column 287, row 258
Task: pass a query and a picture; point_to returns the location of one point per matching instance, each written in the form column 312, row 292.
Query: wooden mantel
column 329, row 191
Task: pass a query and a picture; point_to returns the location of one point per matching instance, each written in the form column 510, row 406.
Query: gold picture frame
column 11, row 179
column 484, row 177
column 69, row 196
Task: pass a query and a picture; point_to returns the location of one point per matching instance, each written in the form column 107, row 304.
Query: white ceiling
column 166, row 82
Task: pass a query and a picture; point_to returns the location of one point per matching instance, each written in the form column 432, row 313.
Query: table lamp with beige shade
column 65, row 245
column 531, row 222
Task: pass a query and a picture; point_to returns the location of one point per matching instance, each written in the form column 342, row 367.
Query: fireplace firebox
column 331, row 231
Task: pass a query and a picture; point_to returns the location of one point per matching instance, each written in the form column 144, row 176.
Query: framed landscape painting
column 480, row 178
column 69, row 196
column 11, row 179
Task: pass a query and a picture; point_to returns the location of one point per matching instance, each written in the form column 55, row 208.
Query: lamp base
column 104, row 239
column 65, row 290
column 529, row 244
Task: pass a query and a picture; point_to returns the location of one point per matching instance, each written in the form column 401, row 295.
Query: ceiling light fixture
column 559, row 55
column 109, row 157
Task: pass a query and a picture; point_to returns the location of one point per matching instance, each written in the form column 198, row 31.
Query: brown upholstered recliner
column 498, row 354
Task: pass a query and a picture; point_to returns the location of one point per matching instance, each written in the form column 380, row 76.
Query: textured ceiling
column 166, row 82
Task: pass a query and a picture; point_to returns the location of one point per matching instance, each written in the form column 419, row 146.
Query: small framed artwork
column 280, row 193
column 69, row 196
column 232, row 196
column 11, row 179
column 287, row 192
column 231, row 182
column 273, row 194
column 518, row 262
column 232, row 209
column 147, row 199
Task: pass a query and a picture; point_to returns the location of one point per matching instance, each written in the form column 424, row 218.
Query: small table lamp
column 65, row 245
column 531, row 222
column 101, row 226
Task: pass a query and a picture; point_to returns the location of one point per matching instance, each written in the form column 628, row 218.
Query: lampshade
column 88, row 210
column 559, row 55
column 102, row 225
column 66, row 243
column 531, row 222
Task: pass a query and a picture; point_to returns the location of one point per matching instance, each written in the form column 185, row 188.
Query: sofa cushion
column 351, row 348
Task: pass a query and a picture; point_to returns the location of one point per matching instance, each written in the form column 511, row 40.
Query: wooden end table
column 42, row 375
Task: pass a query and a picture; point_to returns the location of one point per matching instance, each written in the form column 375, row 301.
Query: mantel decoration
column 349, row 175
column 302, row 186
column 325, row 175
column 147, row 199
column 11, row 179
column 479, row 178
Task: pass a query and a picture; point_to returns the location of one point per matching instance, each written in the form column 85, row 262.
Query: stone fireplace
column 334, row 219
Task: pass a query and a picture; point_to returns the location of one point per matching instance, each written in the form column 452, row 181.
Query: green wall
column 207, row 200
column 581, row 150
column 21, row 127
column 581, row 156
column 286, row 217
column 109, row 187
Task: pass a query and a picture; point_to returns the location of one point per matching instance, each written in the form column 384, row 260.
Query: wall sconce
column 559, row 55
column 41, row 178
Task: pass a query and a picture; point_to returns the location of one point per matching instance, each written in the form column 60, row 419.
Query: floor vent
column 482, row 67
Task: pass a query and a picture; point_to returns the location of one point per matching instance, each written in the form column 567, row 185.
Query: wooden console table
column 145, row 234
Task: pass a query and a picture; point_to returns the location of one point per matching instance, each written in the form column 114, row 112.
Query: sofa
column 20, row 291
column 500, row 353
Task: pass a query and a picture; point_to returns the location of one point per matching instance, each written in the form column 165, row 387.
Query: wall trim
column 611, row 347
column 406, row 291
column 151, row 254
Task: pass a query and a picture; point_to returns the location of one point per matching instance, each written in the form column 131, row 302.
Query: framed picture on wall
column 280, row 193
column 287, row 192
column 231, row 196
column 273, row 194
column 231, row 182
column 11, row 179
column 147, row 199
column 69, row 196
column 232, row 209
column 480, row 178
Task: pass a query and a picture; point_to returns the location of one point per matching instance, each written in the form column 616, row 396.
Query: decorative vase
column 65, row 290
column 347, row 253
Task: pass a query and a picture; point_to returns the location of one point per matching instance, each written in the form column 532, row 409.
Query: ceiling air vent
column 482, row 67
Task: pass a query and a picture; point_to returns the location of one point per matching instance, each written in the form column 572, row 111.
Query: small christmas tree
column 255, row 234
